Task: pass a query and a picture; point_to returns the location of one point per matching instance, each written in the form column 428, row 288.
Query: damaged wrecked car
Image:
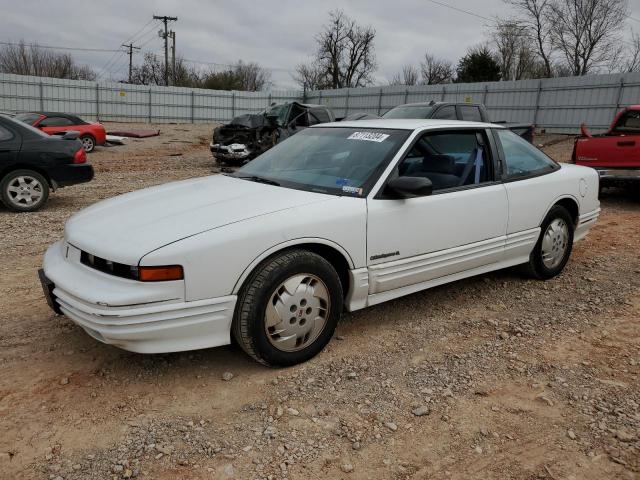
column 250, row 135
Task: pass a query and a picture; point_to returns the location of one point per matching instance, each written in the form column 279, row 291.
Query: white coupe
column 341, row 215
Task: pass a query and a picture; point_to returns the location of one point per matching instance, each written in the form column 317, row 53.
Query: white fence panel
column 556, row 104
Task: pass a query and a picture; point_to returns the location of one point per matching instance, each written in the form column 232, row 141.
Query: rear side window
column 318, row 115
column 55, row 122
column 522, row 158
column 629, row 122
column 447, row 112
column 449, row 160
column 470, row 113
column 5, row 134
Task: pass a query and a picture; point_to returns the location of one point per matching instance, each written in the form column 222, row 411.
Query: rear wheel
column 288, row 309
column 553, row 249
column 88, row 143
column 24, row 190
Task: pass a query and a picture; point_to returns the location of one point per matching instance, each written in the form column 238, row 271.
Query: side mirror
column 410, row 187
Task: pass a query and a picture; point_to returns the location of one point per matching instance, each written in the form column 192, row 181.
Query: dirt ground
column 494, row 377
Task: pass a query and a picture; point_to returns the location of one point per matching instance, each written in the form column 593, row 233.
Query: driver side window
column 449, row 159
column 55, row 122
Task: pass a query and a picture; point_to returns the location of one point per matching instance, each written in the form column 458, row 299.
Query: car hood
column 127, row 227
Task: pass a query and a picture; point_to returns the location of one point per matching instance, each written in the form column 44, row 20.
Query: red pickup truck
column 615, row 154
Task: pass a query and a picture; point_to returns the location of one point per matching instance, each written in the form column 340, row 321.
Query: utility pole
column 131, row 49
column 172, row 34
column 165, row 35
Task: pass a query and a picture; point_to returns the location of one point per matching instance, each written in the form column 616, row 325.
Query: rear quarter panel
column 531, row 199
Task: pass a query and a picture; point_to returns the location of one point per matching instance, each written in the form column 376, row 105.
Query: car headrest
column 439, row 164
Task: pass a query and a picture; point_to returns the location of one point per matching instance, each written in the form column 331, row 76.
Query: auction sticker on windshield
column 368, row 136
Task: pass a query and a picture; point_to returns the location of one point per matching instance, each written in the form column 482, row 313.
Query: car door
column 530, row 191
column 53, row 125
column 10, row 142
column 460, row 226
column 620, row 148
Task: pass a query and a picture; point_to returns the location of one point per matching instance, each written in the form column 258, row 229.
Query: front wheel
column 553, row 249
column 288, row 309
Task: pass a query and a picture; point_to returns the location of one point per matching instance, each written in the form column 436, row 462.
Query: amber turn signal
column 160, row 274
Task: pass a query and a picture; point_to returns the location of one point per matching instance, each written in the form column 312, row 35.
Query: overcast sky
column 278, row 34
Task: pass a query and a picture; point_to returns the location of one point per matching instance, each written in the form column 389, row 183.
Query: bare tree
column 586, row 32
column 311, row 77
column 535, row 17
column 518, row 61
column 151, row 72
column 436, row 70
column 252, row 76
column 345, row 56
column 408, row 76
column 22, row 59
column 632, row 62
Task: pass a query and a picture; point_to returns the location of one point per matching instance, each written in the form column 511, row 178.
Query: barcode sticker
column 368, row 136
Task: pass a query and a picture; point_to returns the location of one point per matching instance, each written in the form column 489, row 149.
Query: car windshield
column 409, row 111
column 29, row 118
column 338, row 161
column 279, row 112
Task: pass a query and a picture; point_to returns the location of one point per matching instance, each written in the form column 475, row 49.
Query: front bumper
column 233, row 152
column 135, row 316
column 66, row 175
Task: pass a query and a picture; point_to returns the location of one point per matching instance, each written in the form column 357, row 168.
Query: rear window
column 629, row 122
column 26, row 126
column 470, row 113
column 5, row 134
column 410, row 111
column 29, row 118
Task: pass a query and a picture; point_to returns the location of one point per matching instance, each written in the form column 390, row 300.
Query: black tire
column 249, row 320
column 88, row 143
column 31, row 178
column 536, row 266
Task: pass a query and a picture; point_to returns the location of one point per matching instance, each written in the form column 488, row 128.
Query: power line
column 60, row 48
column 130, row 39
column 461, row 10
column 477, row 15
column 115, row 57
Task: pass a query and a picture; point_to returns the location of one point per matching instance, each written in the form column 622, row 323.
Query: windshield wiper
column 258, row 179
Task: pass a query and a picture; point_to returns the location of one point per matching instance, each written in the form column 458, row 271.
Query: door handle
column 627, row 143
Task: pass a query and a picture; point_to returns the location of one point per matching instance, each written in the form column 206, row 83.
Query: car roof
column 408, row 124
column 58, row 114
column 435, row 104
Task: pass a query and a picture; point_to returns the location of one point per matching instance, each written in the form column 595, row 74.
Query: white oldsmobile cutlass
column 341, row 215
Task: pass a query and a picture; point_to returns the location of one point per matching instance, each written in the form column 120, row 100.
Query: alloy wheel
column 297, row 312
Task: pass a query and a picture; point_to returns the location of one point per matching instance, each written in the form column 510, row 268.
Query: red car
column 615, row 154
column 53, row 123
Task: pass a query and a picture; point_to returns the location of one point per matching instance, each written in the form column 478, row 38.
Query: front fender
column 216, row 262
column 291, row 243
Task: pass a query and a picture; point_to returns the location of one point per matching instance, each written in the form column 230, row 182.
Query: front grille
column 109, row 267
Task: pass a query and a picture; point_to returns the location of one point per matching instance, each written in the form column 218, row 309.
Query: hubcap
column 555, row 243
column 25, row 190
column 87, row 143
column 297, row 312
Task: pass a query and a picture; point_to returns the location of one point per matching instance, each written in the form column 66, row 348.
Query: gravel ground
column 494, row 377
